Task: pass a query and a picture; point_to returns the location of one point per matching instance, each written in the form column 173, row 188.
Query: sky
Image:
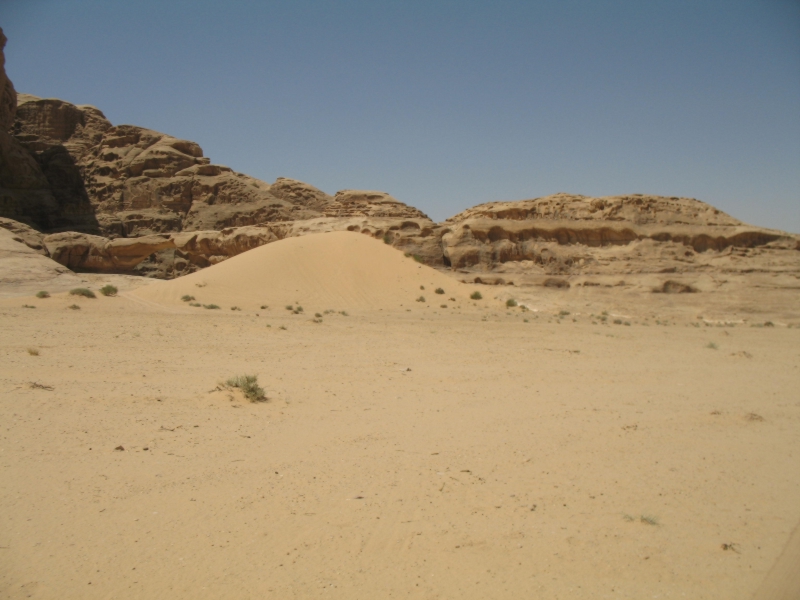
column 447, row 104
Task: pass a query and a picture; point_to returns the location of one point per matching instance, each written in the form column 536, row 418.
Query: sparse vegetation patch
column 82, row 292
column 211, row 306
column 187, row 298
column 476, row 296
column 109, row 290
column 249, row 386
column 42, row 294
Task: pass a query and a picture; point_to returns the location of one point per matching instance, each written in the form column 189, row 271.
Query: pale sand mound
column 338, row 270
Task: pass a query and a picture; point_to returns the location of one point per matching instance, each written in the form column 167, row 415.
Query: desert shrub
column 43, row 294
column 421, row 299
column 264, row 307
column 318, row 315
column 28, row 306
column 563, row 313
column 82, row 292
column 249, row 386
column 235, row 308
column 439, row 291
column 387, row 239
column 422, row 287
column 283, row 327
column 617, row 321
column 476, row 296
column 712, row 346
column 289, row 307
column 443, row 305
column 344, row 313
column 109, row 290
column 417, row 258
column 187, row 298
column 33, row 352
column 511, row 302
column 194, row 304
column 74, row 307
column 210, row 306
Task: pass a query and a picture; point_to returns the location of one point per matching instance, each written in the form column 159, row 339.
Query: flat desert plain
column 405, row 450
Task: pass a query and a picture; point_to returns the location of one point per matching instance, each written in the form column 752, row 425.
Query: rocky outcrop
column 25, row 194
column 576, row 235
column 25, row 270
column 85, row 252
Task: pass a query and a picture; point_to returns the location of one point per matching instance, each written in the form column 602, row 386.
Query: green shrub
column 210, row 306
column 511, row 302
column 387, row 239
column 249, row 386
column 187, row 298
column 417, row 258
column 476, row 296
column 439, row 291
column 82, row 292
column 33, row 352
column 421, row 299
column 109, row 290
column 42, row 294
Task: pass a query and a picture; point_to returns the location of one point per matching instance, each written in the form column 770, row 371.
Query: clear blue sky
column 447, row 104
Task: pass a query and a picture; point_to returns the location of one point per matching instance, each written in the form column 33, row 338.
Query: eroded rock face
column 25, row 194
column 570, row 235
column 636, row 209
column 85, row 252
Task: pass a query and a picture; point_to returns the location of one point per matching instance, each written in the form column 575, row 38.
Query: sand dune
column 337, row 270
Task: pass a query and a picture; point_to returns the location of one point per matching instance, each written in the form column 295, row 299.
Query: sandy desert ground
column 406, row 450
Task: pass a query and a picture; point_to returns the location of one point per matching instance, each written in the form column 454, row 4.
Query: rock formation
column 567, row 234
column 105, row 198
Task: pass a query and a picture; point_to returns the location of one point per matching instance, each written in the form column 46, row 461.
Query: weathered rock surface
column 572, row 235
column 23, row 269
column 24, row 190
